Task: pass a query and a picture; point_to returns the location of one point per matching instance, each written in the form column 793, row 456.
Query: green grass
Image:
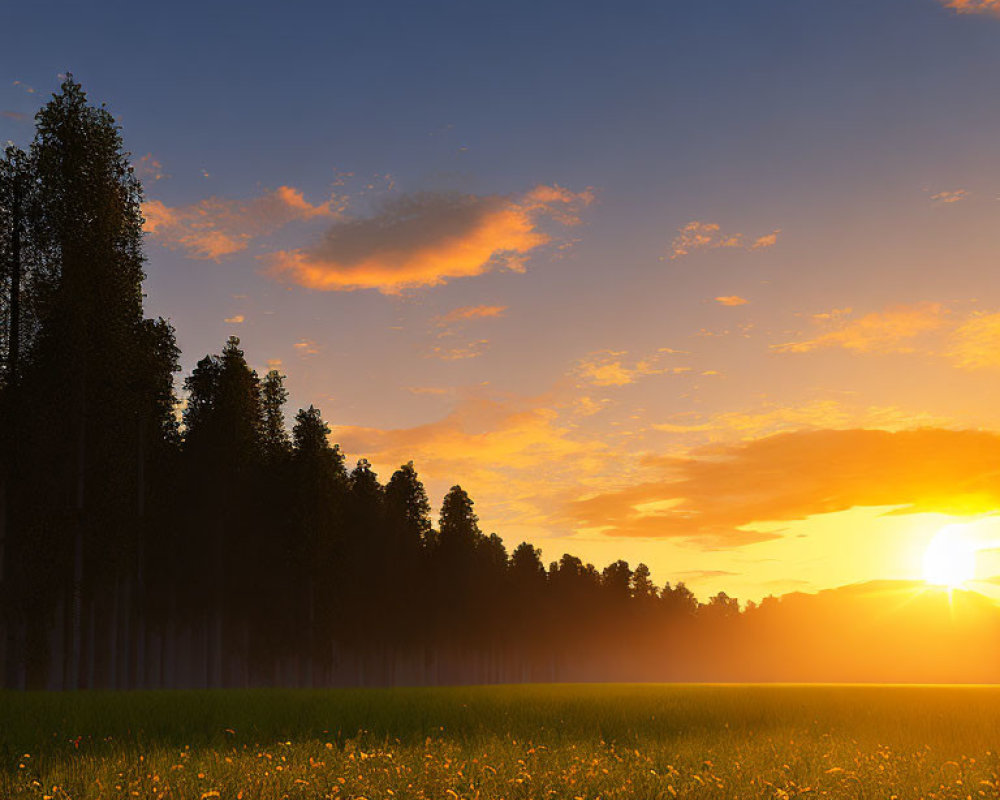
column 607, row 741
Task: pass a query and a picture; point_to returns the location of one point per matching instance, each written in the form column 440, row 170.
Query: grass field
column 596, row 741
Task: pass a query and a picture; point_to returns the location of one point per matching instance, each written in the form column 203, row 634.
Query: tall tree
column 274, row 437
column 314, row 550
column 79, row 402
column 223, row 451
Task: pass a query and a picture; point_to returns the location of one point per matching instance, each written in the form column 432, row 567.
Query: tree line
column 141, row 546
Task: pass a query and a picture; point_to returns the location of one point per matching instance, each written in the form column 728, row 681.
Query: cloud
column 235, row 320
column 218, row 227
column 975, row 343
column 971, row 342
column 451, row 323
column 150, row 169
column 16, row 116
column 611, row 368
column 470, row 350
column 306, row 347
column 718, row 492
column 466, row 313
column 497, row 445
column 430, row 238
column 772, row 418
column 731, row 300
column 698, row 235
column 24, row 86
column 889, row 331
column 973, row 6
column 953, row 196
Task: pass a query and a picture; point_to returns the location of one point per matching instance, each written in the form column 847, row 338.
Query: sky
column 711, row 286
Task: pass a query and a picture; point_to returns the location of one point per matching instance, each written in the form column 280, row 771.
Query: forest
column 157, row 533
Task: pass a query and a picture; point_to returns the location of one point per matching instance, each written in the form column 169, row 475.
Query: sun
column 950, row 558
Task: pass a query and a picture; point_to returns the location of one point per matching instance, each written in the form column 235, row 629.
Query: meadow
column 551, row 741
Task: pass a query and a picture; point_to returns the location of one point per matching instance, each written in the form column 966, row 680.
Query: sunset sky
column 711, row 285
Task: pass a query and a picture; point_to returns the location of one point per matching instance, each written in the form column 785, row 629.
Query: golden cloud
column 218, row 227
column 718, row 492
column 430, row 238
column 889, row 331
column 235, row 320
column 697, row 235
column 973, row 6
column 731, row 300
column 976, row 342
column 466, row 313
column 611, row 368
column 497, row 446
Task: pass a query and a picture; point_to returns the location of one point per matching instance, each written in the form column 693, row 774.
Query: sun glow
column 950, row 558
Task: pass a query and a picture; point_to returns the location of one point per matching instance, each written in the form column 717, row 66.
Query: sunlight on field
column 610, row 741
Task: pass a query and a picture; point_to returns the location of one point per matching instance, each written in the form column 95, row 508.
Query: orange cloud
column 609, row 368
column 430, row 238
column 772, row 418
column 497, row 445
column 976, row 342
column 698, row 235
column 218, row 227
column 149, row 168
column 306, row 347
column 471, row 312
column 717, row 493
column 235, row 320
column 731, row 300
column 973, row 6
column 889, row 331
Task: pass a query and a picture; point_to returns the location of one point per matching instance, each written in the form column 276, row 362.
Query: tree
column 314, row 550
column 274, row 437
column 79, row 406
column 223, row 451
column 458, row 526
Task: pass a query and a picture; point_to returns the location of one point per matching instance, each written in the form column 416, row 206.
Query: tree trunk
column 76, row 615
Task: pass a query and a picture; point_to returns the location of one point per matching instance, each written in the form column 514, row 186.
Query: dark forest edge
column 143, row 550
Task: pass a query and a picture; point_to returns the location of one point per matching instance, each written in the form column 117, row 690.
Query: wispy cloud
column 306, row 347
column 697, row 235
column 615, row 368
column 430, row 238
column 235, row 320
column 949, row 197
column 455, row 321
column 498, row 444
column 470, row 350
column 974, row 6
column 15, row 116
column 975, row 343
column 466, row 313
column 731, row 300
column 149, row 168
column 218, row 227
column 968, row 341
column 889, row 331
